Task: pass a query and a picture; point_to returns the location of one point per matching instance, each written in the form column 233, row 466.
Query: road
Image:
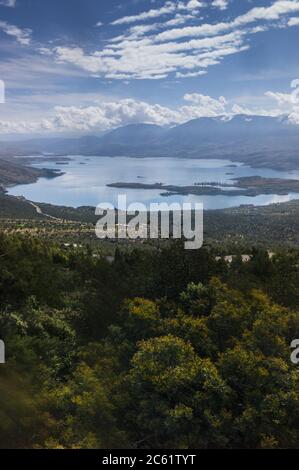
column 39, row 211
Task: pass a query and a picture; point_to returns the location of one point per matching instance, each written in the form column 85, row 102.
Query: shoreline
column 14, row 173
column 91, row 208
column 251, row 186
column 234, row 159
column 275, row 225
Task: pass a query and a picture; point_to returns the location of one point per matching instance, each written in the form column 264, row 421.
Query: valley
column 232, row 229
column 250, row 179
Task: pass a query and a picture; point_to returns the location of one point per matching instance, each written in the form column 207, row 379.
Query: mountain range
column 255, row 140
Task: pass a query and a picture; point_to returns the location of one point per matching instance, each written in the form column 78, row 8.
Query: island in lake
column 245, row 186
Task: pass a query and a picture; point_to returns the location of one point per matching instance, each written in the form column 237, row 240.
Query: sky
column 77, row 67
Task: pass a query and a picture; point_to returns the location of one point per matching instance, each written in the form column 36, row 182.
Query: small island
column 250, row 186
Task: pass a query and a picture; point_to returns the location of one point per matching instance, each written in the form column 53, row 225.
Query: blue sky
column 86, row 66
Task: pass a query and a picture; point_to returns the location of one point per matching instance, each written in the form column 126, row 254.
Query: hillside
column 13, row 172
column 256, row 140
column 276, row 225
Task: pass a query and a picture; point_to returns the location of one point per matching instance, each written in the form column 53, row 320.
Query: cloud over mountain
column 107, row 114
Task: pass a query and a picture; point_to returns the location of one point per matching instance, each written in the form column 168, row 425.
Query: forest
column 161, row 348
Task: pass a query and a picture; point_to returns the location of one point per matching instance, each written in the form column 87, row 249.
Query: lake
column 85, row 178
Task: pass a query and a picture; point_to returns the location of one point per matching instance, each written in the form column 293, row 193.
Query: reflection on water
column 85, row 185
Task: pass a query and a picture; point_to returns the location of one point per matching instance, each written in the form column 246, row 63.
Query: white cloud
column 222, row 4
column 8, row 3
column 23, row 36
column 282, row 98
column 190, row 74
column 110, row 114
column 193, row 5
column 274, row 12
column 287, row 104
column 240, row 109
column 207, row 106
column 138, row 53
column 99, row 24
column 293, row 21
column 104, row 115
column 141, row 59
column 294, row 116
column 169, row 7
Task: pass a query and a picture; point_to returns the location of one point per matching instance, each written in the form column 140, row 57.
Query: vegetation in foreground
column 159, row 349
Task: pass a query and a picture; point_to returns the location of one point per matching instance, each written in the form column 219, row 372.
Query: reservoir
column 85, row 179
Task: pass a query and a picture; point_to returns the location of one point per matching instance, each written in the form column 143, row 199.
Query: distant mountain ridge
column 256, row 140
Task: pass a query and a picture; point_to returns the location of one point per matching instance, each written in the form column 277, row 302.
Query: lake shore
column 81, row 181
